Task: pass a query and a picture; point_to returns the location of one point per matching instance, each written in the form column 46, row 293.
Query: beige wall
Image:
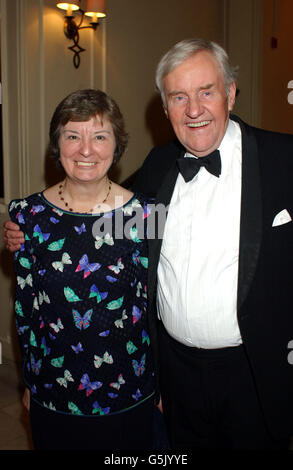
column 138, row 34
column 120, row 57
column 37, row 72
column 277, row 113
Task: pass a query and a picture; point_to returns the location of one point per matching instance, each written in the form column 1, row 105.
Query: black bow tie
column 189, row 166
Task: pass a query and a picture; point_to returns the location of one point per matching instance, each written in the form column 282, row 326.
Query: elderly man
column 220, row 281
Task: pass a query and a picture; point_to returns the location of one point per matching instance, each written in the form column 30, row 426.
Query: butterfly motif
column 139, row 367
column 21, row 329
column 104, row 333
column 59, row 265
column 15, row 204
column 37, row 209
column 35, row 365
column 80, row 229
column 35, row 303
column 48, row 386
column 115, row 304
column 94, row 292
column 120, row 381
column 119, row 323
column 146, row 210
column 63, row 381
column 113, row 395
column 70, row 295
column 33, row 339
column 78, row 348
column 107, row 358
column 18, row 308
column 20, row 218
column 57, row 245
column 130, row 347
column 136, row 314
column 82, row 322
column 40, row 235
column 25, row 263
column 108, row 239
column 73, row 408
column 57, row 211
column 22, row 204
column 129, row 208
column 134, row 235
column 137, row 395
column 98, row 409
column 42, row 324
column 57, row 361
column 43, row 297
column 23, row 282
column 111, row 279
column 140, row 291
column 45, row 348
column 57, row 327
column 145, row 337
column 87, row 267
column 41, row 272
column 144, row 261
column 86, row 384
column 136, row 258
column 50, row 406
column 117, row 268
column 54, row 220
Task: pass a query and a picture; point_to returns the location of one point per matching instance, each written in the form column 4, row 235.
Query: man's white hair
column 185, row 49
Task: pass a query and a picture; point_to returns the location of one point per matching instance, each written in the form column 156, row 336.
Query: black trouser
column 209, row 398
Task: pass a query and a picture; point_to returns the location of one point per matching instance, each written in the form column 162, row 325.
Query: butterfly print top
column 80, row 306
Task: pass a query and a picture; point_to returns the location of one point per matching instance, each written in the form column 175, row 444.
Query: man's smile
column 197, row 124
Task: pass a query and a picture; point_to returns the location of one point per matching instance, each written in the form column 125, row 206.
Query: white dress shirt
column 198, row 266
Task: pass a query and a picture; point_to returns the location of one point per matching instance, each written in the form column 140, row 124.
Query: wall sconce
column 95, row 9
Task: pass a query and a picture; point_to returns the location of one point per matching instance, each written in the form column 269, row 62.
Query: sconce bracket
column 70, row 27
column 71, row 31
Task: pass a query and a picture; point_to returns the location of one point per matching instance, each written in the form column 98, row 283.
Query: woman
column 81, row 293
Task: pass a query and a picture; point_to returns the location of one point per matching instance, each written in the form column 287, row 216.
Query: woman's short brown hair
column 82, row 105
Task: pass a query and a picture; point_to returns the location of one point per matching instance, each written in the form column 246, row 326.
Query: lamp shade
column 95, row 8
column 66, row 5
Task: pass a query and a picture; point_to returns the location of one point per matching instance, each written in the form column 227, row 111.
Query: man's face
column 197, row 104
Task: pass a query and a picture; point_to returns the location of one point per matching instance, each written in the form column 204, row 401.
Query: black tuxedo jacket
column 265, row 279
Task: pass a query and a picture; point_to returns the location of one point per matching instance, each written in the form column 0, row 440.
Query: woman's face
column 87, row 149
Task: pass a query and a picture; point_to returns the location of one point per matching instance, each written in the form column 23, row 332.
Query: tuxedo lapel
column 163, row 197
column 251, row 214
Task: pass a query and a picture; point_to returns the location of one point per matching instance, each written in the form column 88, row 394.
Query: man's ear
column 231, row 96
column 166, row 111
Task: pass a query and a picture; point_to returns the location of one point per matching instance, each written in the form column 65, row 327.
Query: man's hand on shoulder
column 12, row 236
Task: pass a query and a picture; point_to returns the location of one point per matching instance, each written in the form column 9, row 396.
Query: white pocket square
column 282, row 218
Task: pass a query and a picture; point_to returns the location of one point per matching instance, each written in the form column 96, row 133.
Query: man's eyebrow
column 175, row 92
column 208, row 86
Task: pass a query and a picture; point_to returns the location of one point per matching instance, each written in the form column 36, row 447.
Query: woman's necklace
column 96, row 206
